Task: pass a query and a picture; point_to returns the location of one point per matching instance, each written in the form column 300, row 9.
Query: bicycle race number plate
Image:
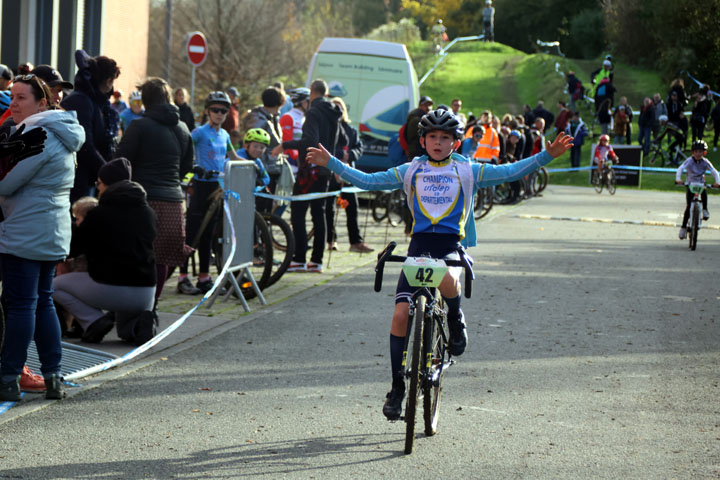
column 424, row 272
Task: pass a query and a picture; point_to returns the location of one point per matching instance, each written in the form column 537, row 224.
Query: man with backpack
column 410, row 131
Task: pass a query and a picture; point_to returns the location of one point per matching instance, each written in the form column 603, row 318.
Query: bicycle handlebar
column 386, row 256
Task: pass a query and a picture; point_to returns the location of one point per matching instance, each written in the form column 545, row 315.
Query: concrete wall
column 125, row 39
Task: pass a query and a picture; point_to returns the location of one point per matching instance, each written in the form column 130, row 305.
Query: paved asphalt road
column 594, row 353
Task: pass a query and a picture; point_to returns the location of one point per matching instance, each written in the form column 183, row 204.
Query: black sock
column 453, row 308
column 396, row 351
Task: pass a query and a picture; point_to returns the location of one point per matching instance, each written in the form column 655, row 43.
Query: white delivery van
column 378, row 83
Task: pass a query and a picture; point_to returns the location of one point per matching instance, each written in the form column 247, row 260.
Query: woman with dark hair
column 160, row 149
column 91, row 100
column 186, row 113
column 35, row 235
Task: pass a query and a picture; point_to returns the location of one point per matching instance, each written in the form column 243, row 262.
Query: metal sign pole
column 192, row 87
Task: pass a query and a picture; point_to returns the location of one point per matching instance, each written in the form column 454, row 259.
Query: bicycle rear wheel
column 540, row 180
column 488, row 200
column 379, row 206
column 611, row 180
column 396, row 208
column 283, row 242
column 434, row 347
column 413, row 371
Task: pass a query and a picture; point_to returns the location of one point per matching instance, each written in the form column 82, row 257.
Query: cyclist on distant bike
column 695, row 166
column 212, row 149
column 440, row 187
column 602, row 152
column 675, row 136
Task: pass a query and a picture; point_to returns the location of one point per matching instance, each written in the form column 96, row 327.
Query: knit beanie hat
column 115, row 170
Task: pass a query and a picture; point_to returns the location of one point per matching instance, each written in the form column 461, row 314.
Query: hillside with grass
column 497, row 77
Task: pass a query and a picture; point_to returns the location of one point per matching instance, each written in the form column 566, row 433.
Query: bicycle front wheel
column 596, row 180
column 611, row 180
column 283, row 242
column 262, row 261
column 414, row 373
column 695, row 219
column 434, row 346
column 488, row 194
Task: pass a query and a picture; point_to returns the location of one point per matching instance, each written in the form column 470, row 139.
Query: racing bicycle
column 606, row 178
column 695, row 219
column 427, row 333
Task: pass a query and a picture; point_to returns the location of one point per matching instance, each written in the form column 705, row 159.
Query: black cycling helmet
column 441, row 120
column 299, row 95
column 699, row 145
column 217, row 97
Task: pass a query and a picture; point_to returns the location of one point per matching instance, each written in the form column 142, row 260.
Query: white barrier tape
column 309, row 196
column 651, row 223
column 174, row 326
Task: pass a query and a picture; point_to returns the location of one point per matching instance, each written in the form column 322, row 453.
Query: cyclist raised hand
column 695, row 166
column 440, row 187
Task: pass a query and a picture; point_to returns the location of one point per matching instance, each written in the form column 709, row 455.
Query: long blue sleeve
column 390, row 179
column 487, row 174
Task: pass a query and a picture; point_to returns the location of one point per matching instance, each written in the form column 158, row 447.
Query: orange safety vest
column 489, row 146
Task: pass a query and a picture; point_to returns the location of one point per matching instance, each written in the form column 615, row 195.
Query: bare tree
column 251, row 43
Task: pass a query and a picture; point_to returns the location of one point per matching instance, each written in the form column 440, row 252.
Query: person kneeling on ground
column 117, row 238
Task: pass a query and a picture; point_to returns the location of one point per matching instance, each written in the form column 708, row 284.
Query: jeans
column 575, row 154
column 29, row 313
column 644, row 139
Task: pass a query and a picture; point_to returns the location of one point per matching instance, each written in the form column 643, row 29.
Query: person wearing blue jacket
column 578, row 130
column 35, row 199
column 440, row 187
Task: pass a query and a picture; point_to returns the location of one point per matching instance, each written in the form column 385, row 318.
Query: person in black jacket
column 541, row 112
column 186, row 113
column 322, row 125
column 91, row 100
column 412, row 133
column 348, row 150
column 117, row 239
column 160, row 149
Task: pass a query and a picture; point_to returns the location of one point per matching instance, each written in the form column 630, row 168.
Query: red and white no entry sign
column 196, row 48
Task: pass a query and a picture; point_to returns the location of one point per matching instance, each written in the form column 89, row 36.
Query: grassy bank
column 497, row 77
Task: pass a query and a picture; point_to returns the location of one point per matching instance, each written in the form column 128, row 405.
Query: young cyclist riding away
column 212, row 150
column 603, row 151
column 255, row 143
column 440, row 188
column 695, row 166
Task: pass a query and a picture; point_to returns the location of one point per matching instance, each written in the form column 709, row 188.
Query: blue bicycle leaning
column 427, row 333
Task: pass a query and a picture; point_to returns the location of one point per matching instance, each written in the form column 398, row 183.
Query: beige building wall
column 125, row 39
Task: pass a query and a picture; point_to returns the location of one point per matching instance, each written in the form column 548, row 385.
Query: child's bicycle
column 695, row 219
column 429, row 337
column 607, row 178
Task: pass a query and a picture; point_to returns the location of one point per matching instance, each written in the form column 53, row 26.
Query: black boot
column 10, row 392
column 54, row 387
column 392, row 409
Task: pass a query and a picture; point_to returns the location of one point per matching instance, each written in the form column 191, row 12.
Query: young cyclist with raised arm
column 440, row 188
column 696, row 166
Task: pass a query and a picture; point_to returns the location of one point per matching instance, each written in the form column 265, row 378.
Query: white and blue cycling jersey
column 440, row 193
column 211, row 147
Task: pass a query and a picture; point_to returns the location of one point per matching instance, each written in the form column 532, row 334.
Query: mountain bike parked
column 427, row 333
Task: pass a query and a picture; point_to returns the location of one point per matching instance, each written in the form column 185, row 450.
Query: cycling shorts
column 436, row 245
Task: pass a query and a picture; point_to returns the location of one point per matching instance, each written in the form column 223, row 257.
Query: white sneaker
column 296, row 267
column 706, row 214
column 683, row 231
